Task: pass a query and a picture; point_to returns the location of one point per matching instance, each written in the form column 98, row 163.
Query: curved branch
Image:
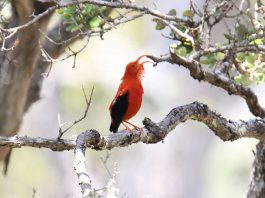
column 225, row 129
column 216, row 79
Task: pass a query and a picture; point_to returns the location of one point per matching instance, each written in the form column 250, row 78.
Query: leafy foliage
column 84, row 16
column 160, row 25
column 253, row 68
column 239, row 48
column 212, row 58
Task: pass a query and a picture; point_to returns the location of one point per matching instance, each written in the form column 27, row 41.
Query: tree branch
column 256, row 187
column 225, row 129
column 215, row 78
column 80, row 161
column 11, row 31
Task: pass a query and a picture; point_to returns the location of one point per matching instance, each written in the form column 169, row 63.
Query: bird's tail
column 114, row 126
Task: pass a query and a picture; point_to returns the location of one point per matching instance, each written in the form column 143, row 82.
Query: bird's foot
column 127, row 128
column 134, row 126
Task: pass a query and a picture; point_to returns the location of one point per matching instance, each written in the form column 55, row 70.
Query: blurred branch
column 225, row 129
column 18, row 65
column 215, row 78
column 34, row 192
column 12, row 31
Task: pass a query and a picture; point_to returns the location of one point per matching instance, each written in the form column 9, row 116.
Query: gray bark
column 227, row 130
column 256, row 187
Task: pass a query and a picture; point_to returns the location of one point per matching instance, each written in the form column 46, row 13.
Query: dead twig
column 88, row 104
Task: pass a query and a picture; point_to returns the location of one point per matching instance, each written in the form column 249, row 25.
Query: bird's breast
column 135, row 101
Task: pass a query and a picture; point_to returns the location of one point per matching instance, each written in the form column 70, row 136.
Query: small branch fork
column 88, row 104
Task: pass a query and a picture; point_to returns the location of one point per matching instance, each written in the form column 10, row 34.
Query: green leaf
column 181, row 51
column 220, row 56
column 183, row 48
column 238, row 78
column 73, row 27
column 249, row 65
column 90, row 10
column 60, row 11
column 250, row 58
column 95, row 22
column 229, row 37
column 259, row 77
column 67, row 16
column 258, row 41
column 160, row 25
column 172, row 12
column 188, row 13
column 242, row 79
column 240, row 57
column 90, row 16
column 173, row 47
column 210, row 59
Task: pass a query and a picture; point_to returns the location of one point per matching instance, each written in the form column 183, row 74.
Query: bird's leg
column 127, row 128
column 136, row 127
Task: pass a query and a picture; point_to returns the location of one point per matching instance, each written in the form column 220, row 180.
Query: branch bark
column 256, row 187
column 216, row 79
column 257, row 184
column 80, row 161
column 111, row 4
column 225, row 129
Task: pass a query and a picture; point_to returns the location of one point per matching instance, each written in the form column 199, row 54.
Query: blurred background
column 191, row 163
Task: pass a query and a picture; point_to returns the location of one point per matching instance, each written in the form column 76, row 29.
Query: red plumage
column 128, row 98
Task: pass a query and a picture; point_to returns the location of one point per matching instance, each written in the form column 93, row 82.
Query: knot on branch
column 91, row 137
column 87, row 139
column 154, row 133
column 200, row 108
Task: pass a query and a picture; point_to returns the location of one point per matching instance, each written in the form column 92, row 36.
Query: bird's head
column 135, row 69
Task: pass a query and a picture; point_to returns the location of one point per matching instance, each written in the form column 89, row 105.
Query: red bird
column 128, row 98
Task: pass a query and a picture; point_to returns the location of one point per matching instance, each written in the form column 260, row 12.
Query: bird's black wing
column 118, row 110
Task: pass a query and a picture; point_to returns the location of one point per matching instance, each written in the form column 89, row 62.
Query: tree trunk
column 19, row 64
column 257, row 184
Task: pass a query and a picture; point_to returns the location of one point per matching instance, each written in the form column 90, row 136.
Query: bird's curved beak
column 138, row 60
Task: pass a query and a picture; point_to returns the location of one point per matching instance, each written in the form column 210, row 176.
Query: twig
column 104, row 162
column 12, row 31
column 46, row 74
column 179, row 32
column 88, row 104
column 34, row 192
